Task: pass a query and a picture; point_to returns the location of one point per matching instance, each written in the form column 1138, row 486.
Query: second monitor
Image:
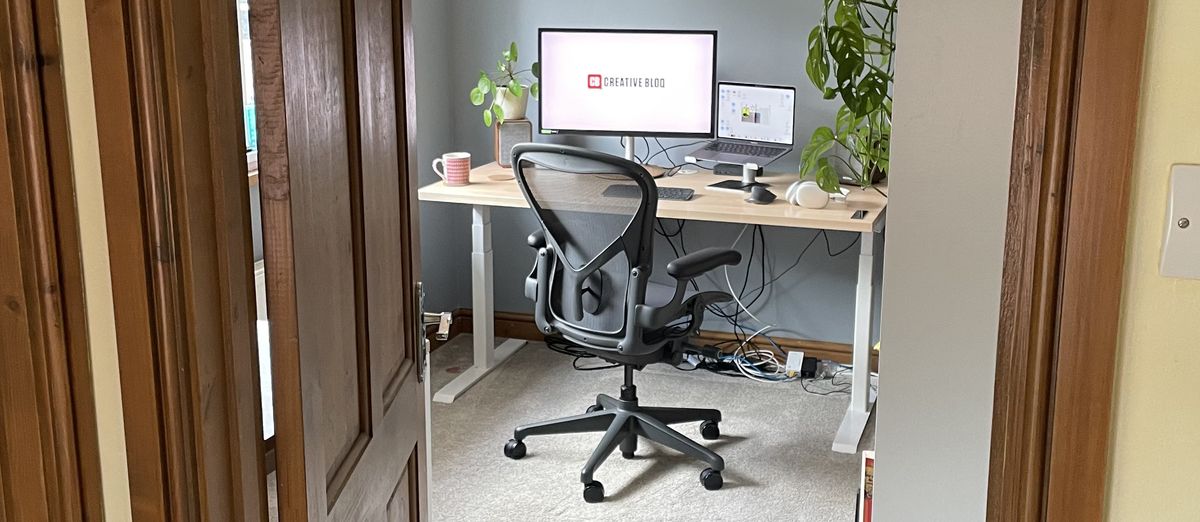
column 627, row 82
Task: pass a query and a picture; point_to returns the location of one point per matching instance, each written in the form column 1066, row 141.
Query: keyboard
column 744, row 149
column 633, row 191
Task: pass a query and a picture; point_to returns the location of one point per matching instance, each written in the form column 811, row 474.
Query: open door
column 333, row 82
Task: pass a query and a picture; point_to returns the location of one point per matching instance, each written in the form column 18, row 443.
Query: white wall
column 1156, row 412
column 955, row 94
column 97, row 278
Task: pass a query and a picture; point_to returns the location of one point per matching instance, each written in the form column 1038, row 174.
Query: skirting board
column 521, row 326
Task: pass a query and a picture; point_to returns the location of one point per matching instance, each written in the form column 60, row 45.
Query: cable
column 730, row 285
column 562, row 345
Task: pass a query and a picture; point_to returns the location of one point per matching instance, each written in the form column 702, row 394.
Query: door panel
column 332, row 79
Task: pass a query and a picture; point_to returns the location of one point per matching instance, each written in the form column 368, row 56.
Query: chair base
column 622, row 421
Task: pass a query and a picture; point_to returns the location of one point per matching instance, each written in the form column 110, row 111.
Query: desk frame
column 488, row 356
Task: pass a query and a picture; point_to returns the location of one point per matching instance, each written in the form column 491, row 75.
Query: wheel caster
column 594, row 408
column 627, row 455
column 709, row 430
column 515, row 449
column 711, row 479
column 593, row 492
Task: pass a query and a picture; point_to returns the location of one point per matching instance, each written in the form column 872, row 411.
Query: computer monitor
column 627, row 82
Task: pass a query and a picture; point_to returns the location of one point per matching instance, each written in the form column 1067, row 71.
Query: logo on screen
column 599, row 81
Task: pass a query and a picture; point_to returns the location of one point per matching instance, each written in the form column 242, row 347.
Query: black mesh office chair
column 591, row 284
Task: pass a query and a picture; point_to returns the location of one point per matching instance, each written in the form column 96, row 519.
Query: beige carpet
column 775, row 440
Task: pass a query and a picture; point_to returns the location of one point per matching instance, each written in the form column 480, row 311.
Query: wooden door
column 333, row 84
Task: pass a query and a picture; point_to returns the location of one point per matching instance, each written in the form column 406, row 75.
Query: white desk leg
column 862, row 398
column 487, row 355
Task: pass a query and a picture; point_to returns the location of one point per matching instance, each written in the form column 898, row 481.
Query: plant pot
column 513, row 106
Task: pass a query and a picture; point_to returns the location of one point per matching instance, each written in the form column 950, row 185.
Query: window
column 251, row 127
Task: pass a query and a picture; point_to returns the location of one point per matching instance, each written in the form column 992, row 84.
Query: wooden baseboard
column 521, row 326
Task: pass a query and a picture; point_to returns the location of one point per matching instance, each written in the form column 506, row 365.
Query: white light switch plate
column 1181, row 244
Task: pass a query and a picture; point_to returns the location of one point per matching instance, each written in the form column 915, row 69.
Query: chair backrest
column 596, row 211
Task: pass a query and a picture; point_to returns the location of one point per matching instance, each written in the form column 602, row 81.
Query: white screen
column 756, row 113
column 627, row 82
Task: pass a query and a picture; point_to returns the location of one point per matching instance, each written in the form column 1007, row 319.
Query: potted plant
column 853, row 46
column 509, row 90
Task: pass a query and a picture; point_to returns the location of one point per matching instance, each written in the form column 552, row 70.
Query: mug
column 456, row 168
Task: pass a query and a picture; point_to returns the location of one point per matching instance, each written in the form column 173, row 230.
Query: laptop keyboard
column 633, row 191
column 744, row 149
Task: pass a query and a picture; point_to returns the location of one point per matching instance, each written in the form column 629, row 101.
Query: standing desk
column 489, row 189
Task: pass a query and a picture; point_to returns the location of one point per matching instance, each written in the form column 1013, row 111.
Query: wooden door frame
column 1078, row 88
column 172, row 152
column 65, row 484
column 1076, row 121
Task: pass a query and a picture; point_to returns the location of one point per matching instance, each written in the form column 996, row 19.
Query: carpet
column 775, row 439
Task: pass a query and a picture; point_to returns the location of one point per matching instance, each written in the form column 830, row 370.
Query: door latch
column 424, row 320
column 442, row 320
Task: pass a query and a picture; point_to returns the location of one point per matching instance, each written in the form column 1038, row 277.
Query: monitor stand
column 630, row 149
column 732, row 169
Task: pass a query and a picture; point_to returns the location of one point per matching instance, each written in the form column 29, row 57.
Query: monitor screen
column 627, row 82
column 756, row 112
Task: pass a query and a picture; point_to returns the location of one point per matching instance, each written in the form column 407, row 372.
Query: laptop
column 755, row 124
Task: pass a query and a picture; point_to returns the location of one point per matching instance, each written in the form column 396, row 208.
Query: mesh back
column 597, row 234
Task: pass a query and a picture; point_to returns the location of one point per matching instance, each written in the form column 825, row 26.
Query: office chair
column 591, row 285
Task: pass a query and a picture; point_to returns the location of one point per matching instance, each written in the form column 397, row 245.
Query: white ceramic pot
column 513, row 106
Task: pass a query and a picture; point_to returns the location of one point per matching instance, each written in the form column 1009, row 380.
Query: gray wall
column 445, row 229
column 761, row 41
column 955, row 92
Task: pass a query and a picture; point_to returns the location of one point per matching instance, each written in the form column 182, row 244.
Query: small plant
column 853, row 45
column 508, row 85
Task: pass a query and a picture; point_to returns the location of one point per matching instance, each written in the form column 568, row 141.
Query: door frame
column 1078, row 90
column 172, row 154
column 60, row 472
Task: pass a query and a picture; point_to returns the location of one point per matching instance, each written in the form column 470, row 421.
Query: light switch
column 1181, row 245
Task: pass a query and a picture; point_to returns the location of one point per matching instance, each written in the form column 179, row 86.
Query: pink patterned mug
column 455, row 168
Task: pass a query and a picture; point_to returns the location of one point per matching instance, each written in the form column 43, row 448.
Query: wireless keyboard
column 633, row 191
column 743, row 149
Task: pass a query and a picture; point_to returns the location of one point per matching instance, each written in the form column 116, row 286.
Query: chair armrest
column 537, row 240
column 701, row 261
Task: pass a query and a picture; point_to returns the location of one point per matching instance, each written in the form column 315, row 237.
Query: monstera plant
column 850, row 57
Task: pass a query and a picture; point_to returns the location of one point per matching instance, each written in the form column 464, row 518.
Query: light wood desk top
column 488, row 187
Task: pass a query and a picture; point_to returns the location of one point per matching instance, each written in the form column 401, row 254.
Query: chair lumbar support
column 623, row 420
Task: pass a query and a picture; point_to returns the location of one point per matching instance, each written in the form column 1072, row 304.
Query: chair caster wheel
column 709, row 430
column 515, row 449
column 711, row 479
column 627, row 456
column 594, row 408
column 593, row 492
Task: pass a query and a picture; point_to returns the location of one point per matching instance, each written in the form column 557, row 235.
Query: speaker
column 509, row 134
